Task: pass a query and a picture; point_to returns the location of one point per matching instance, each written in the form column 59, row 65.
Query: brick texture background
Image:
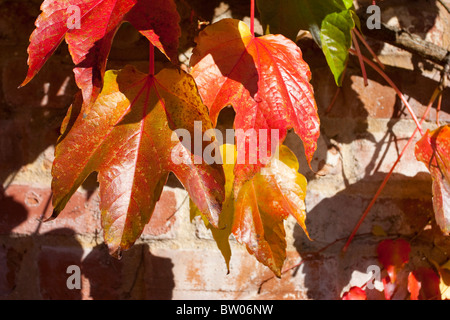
column 176, row 258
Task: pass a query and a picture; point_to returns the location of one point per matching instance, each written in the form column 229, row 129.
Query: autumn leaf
column 221, row 234
column 433, row 149
column 90, row 39
column 423, row 284
column 393, row 254
column 128, row 139
column 266, row 81
column 355, row 293
column 330, row 23
column 256, row 216
column 389, row 287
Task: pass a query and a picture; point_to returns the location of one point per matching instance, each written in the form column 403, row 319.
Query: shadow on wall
column 415, row 16
column 331, row 220
column 34, row 266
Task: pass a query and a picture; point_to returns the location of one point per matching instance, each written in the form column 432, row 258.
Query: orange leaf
column 355, row 293
column 266, row 81
column 256, row 215
column 434, row 151
column 128, row 139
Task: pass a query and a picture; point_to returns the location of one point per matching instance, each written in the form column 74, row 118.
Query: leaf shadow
column 33, row 265
column 417, row 16
column 330, row 220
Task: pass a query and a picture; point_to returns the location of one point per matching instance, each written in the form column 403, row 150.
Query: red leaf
column 355, row 293
column 389, row 288
column 89, row 45
column 423, row 284
column 128, row 140
column 393, row 254
column 434, row 151
column 266, row 81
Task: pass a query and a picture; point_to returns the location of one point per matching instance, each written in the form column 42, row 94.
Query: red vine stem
column 360, row 58
column 392, row 84
column 252, row 18
column 438, row 109
column 355, row 30
column 383, row 184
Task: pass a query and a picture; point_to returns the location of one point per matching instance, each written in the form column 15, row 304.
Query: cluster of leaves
column 123, row 124
column 423, row 283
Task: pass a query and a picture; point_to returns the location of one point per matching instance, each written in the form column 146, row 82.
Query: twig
column 444, row 5
column 407, row 41
column 364, row 42
column 436, row 93
column 361, row 61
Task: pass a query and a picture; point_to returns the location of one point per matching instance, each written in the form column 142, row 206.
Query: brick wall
column 177, row 258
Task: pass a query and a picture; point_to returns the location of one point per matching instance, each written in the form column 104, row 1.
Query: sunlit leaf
column 128, row 139
column 256, row 216
column 393, row 254
column 355, row 293
column 266, row 81
column 90, row 40
column 329, row 21
column 433, row 149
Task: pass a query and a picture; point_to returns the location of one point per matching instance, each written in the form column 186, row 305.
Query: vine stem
column 392, row 84
column 364, row 42
column 360, row 58
column 252, row 18
column 151, row 60
column 436, row 93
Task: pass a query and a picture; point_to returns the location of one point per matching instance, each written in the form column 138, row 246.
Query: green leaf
column 336, row 38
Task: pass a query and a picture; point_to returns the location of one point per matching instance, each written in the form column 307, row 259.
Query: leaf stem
column 364, row 42
column 252, row 18
column 392, row 84
column 360, row 58
column 383, row 184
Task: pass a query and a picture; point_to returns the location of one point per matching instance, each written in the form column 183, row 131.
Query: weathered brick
column 334, row 217
column 109, row 278
column 202, row 274
column 53, row 263
column 23, row 208
column 378, row 99
column 164, row 217
column 10, row 263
